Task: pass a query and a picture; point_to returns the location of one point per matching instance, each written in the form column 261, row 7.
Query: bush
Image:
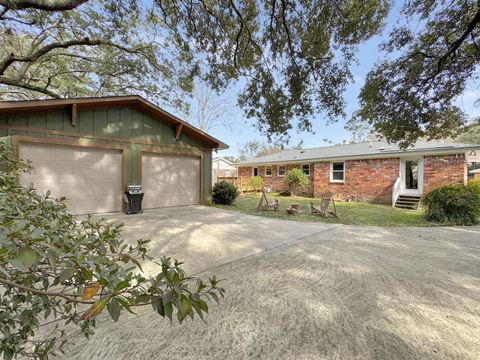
column 58, row 269
column 297, row 180
column 224, row 193
column 459, row 204
column 256, row 183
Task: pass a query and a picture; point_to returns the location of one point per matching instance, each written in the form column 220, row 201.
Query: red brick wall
column 443, row 170
column 275, row 182
column 365, row 180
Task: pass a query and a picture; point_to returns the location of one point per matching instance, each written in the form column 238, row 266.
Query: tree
column 291, row 57
column 360, row 131
column 428, row 63
column 296, row 180
column 61, row 48
column 254, row 148
column 256, row 182
column 211, row 110
column 55, row 270
column 470, row 134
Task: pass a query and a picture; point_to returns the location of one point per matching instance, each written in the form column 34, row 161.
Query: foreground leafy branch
column 56, row 270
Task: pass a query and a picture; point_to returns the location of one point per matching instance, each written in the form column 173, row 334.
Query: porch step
column 408, row 202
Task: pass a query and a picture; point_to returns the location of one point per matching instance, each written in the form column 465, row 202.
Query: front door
column 411, row 173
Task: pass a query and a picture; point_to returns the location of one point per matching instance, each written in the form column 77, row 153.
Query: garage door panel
column 170, row 180
column 90, row 178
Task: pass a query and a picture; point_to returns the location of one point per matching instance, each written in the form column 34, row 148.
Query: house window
column 268, row 171
column 281, row 170
column 337, row 172
column 306, row 169
column 255, row 171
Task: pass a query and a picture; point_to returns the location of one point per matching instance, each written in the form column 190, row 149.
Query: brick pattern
column 365, row 180
column 442, row 170
column 275, row 182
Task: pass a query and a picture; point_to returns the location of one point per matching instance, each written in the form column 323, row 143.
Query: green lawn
column 353, row 213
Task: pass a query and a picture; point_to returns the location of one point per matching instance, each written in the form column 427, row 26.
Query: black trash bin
column 133, row 197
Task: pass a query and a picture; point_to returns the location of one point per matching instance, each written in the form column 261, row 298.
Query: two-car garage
column 91, row 178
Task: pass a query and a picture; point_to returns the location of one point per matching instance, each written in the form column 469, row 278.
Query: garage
column 90, row 178
column 170, row 180
column 88, row 150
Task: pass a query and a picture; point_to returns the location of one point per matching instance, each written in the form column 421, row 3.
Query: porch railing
column 396, row 190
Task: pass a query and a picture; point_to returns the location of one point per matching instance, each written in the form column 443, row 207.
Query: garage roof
column 373, row 149
column 7, row 108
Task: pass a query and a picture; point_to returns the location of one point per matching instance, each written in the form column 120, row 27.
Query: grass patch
column 353, row 213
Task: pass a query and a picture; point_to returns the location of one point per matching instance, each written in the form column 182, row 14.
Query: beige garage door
column 90, row 178
column 170, row 180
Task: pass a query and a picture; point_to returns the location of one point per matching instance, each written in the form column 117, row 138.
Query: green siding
column 55, row 121
column 85, row 122
column 115, row 123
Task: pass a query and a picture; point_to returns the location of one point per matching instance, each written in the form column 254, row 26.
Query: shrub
column 297, row 180
column 256, row 182
column 59, row 269
column 224, row 193
column 459, row 204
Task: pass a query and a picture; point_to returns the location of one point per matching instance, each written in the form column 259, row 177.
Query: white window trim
column 271, row 171
column 253, row 171
column 278, row 172
column 301, row 168
column 332, row 180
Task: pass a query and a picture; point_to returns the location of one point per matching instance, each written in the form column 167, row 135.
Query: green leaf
column 52, row 259
column 203, row 305
column 66, row 274
column 122, row 285
column 168, row 309
column 114, row 309
column 8, row 354
column 142, row 298
column 25, row 259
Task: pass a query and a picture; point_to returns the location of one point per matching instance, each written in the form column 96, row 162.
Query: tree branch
column 46, row 5
column 456, row 44
column 69, row 298
column 22, row 84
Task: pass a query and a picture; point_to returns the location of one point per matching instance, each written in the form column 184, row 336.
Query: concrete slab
column 307, row 291
column 203, row 237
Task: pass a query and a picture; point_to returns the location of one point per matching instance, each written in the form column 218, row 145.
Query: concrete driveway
column 205, row 237
column 306, row 291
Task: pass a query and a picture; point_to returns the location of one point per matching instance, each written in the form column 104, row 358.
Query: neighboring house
column 373, row 171
column 222, row 167
column 89, row 149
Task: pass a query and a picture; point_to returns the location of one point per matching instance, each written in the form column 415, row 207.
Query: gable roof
column 376, row 149
column 224, row 160
column 8, row 108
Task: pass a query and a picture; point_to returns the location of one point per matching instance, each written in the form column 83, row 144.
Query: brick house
column 374, row 171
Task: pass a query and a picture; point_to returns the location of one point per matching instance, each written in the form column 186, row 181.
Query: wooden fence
column 242, row 183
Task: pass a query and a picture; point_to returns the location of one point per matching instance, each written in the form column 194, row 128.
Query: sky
column 243, row 130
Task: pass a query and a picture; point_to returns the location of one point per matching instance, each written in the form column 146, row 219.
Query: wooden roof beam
column 178, row 131
column 74, row 115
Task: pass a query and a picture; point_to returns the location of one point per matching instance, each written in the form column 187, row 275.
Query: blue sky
column 368, row 53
